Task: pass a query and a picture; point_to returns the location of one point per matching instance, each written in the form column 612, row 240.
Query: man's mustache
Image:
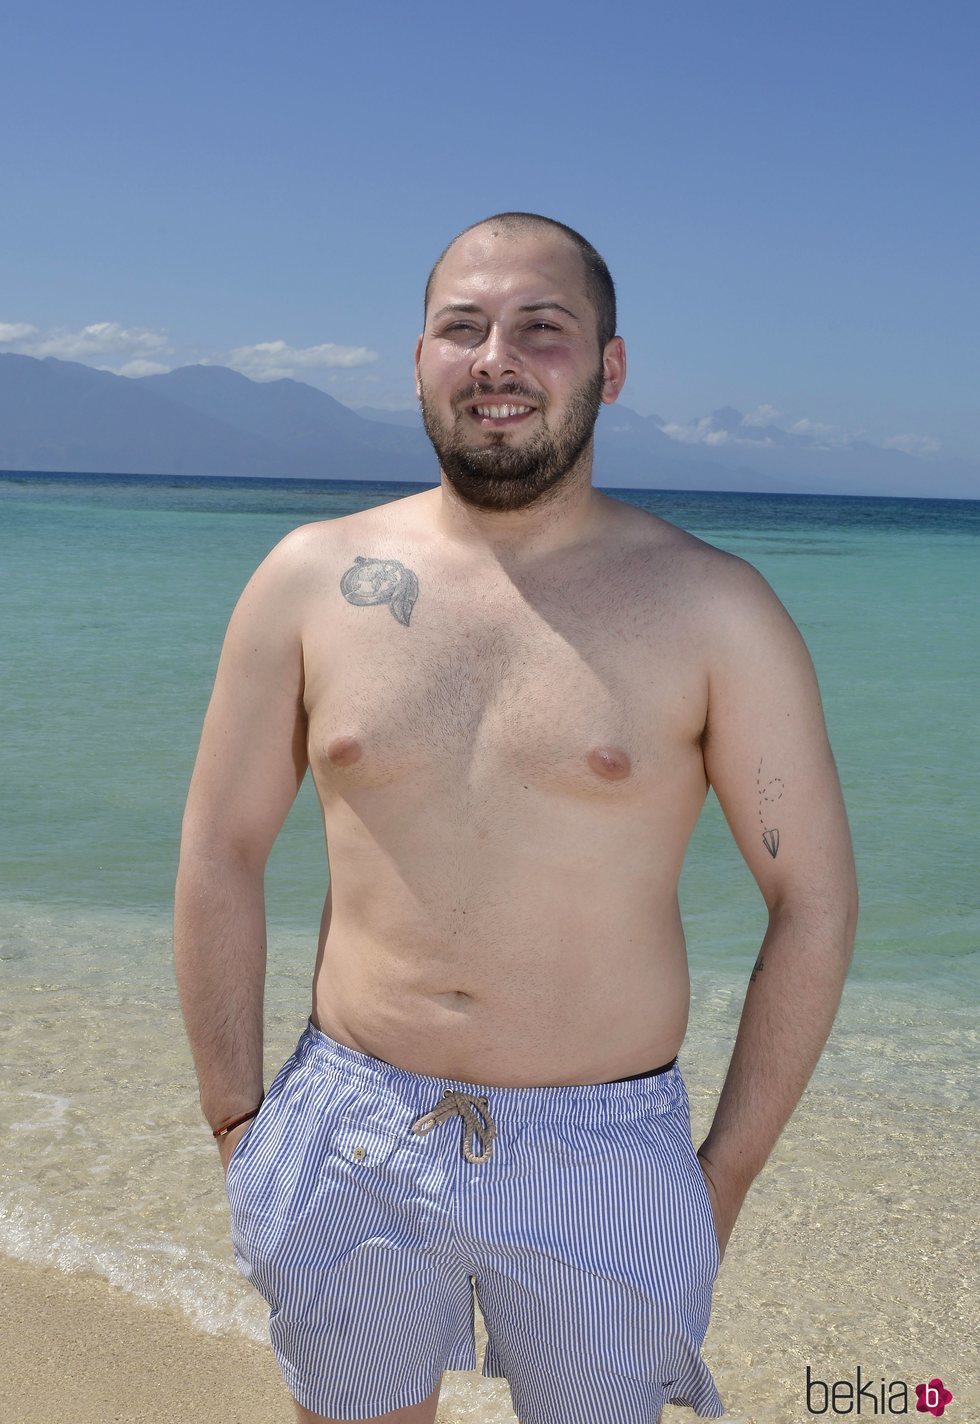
column 514, row 392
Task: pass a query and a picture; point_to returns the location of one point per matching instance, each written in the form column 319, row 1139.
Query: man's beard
column 499, row 476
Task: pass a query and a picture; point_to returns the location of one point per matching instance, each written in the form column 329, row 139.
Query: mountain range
column 210, row 420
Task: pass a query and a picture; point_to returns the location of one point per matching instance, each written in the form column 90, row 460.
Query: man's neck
column 570, row 516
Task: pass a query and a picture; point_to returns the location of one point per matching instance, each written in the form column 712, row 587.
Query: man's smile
column 499, row 414
column 497, row 417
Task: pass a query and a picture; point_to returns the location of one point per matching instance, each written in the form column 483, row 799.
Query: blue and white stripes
column 587, row 1231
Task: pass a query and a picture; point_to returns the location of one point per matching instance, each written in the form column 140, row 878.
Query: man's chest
column 575, row 689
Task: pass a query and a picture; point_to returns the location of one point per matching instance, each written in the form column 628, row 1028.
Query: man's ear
column 418, row 352
column 613, row 369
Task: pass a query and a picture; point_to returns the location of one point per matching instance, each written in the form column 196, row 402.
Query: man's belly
column 604, row 1011
column 503, row 934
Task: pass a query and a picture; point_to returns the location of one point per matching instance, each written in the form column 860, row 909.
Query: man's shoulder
column 738, row 611
column 661, row 545
column 733, row 597
column 721, row 598
column 307, row 544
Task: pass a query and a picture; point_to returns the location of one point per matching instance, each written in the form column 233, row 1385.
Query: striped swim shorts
column 369, row 1203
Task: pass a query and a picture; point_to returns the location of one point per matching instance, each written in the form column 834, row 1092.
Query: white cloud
column 724, row 428
column 269, row 360
column 14, row 331
column 98, row 339
column 914, row 444
column 814, row 433
column 143, row 351
column 697, row 432
column 139, row 367
column 686, row 434
column 762, row 415
column 821, row 434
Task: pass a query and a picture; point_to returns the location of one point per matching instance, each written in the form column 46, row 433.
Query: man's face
column 509, row 372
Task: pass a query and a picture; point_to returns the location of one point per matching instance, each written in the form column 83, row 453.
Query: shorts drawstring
column 467, row 1106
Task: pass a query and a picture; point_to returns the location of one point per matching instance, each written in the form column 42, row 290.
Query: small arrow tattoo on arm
column 769, row 794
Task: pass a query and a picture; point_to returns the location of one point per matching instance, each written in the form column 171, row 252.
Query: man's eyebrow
column 529, row 307
column 455, row 307
column 548, row 306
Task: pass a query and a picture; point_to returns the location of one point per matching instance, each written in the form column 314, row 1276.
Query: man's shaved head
column 598, row 282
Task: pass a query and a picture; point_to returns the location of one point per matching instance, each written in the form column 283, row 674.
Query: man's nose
column 495, row 357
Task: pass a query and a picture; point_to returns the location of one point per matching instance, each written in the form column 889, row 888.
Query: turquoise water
column 114, row 597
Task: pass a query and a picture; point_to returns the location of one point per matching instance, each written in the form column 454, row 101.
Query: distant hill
column 730, row 454
column 209, row 420
column 390, row 417
column 197, row 420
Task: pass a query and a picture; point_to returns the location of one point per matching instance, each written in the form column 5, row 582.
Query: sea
column 857, row 1248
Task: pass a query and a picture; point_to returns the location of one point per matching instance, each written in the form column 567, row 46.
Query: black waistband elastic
column 650, row 1073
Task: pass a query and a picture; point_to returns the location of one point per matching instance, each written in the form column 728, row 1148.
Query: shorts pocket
column 245, row 1137
column 691, row 1200
column 246, row 1144
column 704, row 1196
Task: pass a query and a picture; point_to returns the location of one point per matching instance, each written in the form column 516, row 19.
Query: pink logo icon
column 933, row 1398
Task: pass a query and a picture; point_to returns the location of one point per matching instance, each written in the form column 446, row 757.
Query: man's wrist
column 229, row 1124
column 732, row 1168
column 221, row 1107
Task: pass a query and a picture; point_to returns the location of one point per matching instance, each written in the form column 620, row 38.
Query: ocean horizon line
column 288, row 482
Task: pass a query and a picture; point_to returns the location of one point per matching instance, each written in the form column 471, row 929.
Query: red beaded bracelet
column 235, row 1122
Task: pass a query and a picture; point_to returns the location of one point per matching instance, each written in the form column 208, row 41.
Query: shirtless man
column 513, row 693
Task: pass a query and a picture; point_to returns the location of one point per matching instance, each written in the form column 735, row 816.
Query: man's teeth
column 500, row 412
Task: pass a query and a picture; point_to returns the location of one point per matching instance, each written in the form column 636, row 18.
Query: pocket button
column 366, row 1143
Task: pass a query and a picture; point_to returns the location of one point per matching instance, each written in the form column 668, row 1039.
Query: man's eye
column 461, row 326
column 543, row 326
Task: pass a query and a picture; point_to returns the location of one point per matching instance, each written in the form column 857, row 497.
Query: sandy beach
column 76, row 1348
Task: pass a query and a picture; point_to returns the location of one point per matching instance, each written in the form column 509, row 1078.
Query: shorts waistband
column 661, row 1092
column 650, row 1073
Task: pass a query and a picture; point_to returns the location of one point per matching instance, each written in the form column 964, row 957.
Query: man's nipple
column 611, row 763
column 344, row 751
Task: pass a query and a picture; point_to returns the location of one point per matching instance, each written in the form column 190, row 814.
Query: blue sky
column 786, row 194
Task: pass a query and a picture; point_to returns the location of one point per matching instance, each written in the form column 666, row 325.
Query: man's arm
column 767, row 756
column 249, row 768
